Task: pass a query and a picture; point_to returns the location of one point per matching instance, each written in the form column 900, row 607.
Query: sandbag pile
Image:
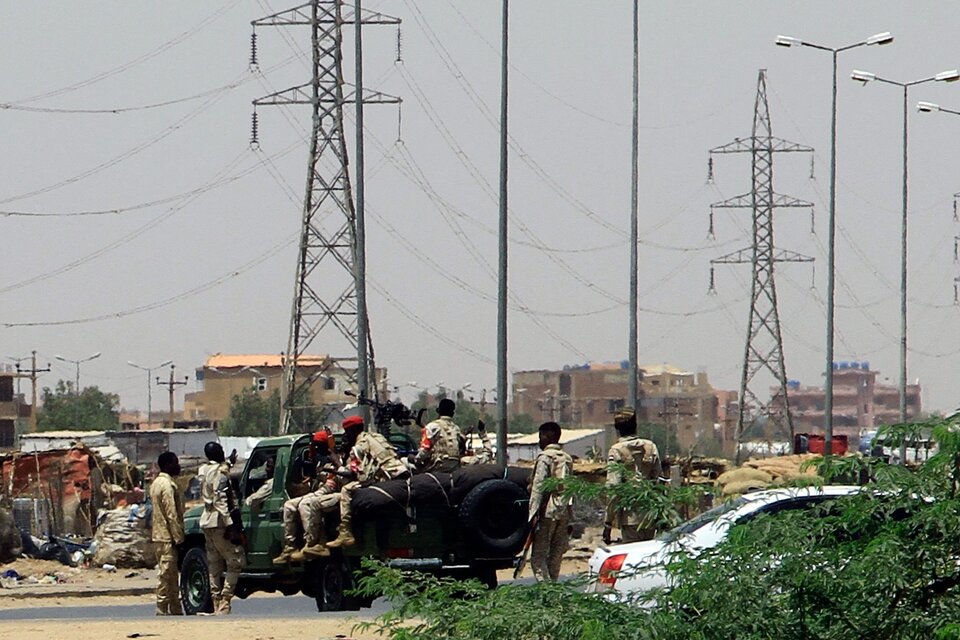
column 123, row 540
column 764, row 473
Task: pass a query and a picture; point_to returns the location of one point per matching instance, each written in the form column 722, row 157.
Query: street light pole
column 787, row 41
column 149, row 370
column 76, row 389
column 864, row 77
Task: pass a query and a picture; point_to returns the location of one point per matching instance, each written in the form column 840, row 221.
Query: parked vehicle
column 466, row 524
column 639, row 567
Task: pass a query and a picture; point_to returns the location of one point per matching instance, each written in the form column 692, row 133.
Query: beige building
column 13, row 409
column 224, row 376
column 588, row 395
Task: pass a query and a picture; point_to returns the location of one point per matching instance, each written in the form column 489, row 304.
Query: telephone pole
column 171, row 386
column 329, row 305
column 764, row 345
column 32, row 374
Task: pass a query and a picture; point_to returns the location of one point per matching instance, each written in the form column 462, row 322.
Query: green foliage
column 430, row 608
column 663, row 436
column 252, row 415
column 523, row 423
column 884, row 563
column 91, row 410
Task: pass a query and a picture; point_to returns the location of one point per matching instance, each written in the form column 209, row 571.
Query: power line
column 136, row 61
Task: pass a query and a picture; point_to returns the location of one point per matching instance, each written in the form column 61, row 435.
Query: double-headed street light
column 788, row 41
column 149, row 370
column 78, row 363
column 864, row 77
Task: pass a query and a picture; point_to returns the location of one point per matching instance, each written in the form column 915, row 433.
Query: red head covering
column 352, row 422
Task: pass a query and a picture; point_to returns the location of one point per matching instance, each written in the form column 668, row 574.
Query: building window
column 614, row 405
column 260, row 384
column 329, row 383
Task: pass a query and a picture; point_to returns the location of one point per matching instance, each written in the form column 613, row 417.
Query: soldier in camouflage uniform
column 641, row 459
column 550, row 513
column 308, row 509
column 218, row 521
column 372, row 459
column 167, row 532
column 440, row 441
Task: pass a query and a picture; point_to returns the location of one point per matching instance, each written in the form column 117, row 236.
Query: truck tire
column 334, row 579
column 493, row 518
column 195, row 582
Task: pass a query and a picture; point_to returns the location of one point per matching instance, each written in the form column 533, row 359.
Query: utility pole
column 632, row 399
column 329, row 304
column 676, row 413
column 32, row 374
column 171, row 386
column 502, row 246
column 764, row 345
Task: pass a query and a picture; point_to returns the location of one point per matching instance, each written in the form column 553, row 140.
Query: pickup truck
column 473, row 523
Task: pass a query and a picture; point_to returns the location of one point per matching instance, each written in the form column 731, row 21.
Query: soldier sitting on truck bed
column 371, row 459
column 317, row 462
column 440, row 441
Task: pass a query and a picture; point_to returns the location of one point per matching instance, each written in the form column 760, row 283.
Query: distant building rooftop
column 229, row 361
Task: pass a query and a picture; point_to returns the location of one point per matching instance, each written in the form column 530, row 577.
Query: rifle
column 534, row 525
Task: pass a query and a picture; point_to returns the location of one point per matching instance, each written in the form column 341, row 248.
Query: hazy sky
column 208, row 266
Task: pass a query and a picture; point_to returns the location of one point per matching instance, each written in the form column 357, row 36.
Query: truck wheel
column 195, row 582
column 493, row 517
column 333, row 580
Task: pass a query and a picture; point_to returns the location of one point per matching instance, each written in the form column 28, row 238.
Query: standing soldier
column 371, row 459
column 167, row 532
column 220, row 522
column 640, row 459
column 440, row 441
column 550, row 513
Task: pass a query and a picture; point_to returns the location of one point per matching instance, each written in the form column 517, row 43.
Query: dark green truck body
column 439, row 538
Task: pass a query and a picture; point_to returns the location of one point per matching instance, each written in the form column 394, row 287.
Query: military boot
column 298, row 556
column 285, row 556
column 316, row 551
column 344, row 536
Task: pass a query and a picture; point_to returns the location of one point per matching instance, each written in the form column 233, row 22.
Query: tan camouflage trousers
column 168, row 584
column 311, row 509
column 225, row 561
column 550, row 541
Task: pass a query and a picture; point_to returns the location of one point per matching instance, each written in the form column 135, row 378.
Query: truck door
column 262, row 507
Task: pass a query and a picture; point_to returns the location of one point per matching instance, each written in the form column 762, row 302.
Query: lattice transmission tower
column 329, row 296
column 764, row 346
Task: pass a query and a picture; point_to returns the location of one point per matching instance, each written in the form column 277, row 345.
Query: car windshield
column 704, row 518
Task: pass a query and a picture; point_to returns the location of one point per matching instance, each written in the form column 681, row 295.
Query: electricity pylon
column 329, row 295
column 764, row 346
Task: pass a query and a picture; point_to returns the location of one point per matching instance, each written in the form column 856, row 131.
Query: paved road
column 257, row 606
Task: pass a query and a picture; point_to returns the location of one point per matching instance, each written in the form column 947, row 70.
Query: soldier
column 371, row 459
column 167, row 532
column 440, row 441
column 309, row 508
column 642, row 460
column 220, row 523
column 483, row 455
column 550, row 513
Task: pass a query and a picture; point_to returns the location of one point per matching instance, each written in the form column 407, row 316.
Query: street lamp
column 78, row 363
column 928, row 107
column 77, row 383
column 149, row 389
column 788, row 41
column 864, row 77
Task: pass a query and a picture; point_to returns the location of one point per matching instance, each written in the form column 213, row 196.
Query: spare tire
column 493, row 518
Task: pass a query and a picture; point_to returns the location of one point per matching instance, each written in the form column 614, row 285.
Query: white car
column 638, row 567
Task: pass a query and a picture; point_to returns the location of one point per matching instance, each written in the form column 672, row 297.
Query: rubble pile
column 123, row 540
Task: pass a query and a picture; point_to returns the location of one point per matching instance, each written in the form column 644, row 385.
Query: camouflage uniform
column 224, row 558
column 484, row 455
column 641, row 459
column 372, row 459
column 551, row 539
column 439, row 446
column 167, row 532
